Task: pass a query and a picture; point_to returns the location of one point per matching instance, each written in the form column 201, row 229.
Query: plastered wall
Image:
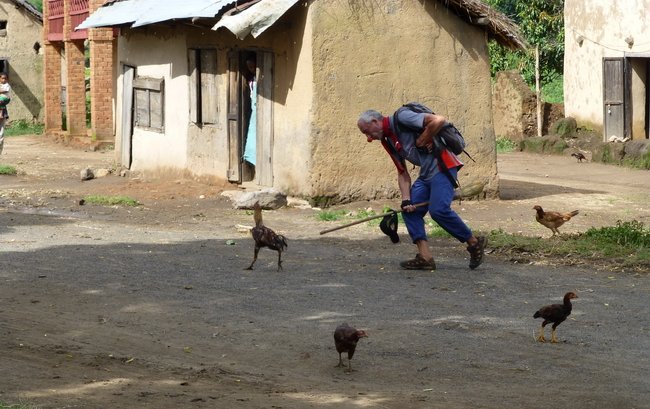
column 17, row 44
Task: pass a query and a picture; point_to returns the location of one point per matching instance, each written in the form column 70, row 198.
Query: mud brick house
column 182, row 100
column 607, row 66
column 21, row 43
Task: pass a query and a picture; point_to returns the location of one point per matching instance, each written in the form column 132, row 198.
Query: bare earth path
column 149, row 307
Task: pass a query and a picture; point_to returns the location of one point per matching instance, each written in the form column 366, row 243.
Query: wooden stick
column 368, row 219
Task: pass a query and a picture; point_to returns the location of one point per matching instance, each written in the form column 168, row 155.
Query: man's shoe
column 476, row 252
column 418, row 263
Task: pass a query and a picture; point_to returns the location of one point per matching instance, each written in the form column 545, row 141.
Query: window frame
column 148, row 91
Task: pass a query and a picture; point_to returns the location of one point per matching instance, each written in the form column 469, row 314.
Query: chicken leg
column 540, row 337
column 340, row 365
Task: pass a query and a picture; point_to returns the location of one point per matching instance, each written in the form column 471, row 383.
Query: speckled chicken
column 553, row 220
column 555, row 313
column 265, row 237
column 345, row 339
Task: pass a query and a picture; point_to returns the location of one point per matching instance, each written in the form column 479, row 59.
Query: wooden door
column 613, row 97
column 264, row 165
column 234, row 119
column 128, row 73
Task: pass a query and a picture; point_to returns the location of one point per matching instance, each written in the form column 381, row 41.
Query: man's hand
column 407, row 206
column 432, row 125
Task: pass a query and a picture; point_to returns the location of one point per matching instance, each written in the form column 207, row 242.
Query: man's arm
column 432, row 125
column 404, row 183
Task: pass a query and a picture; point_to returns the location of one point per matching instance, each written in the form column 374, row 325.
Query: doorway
column 250, row 116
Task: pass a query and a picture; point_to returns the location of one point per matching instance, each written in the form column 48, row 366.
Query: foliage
column 23, row 127
column 111, row 200
column 7, row 170
column 553, row 91
column 38, row 4
column 542, row 25
column 505, row 145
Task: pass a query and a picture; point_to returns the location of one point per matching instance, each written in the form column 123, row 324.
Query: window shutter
column 209, row 94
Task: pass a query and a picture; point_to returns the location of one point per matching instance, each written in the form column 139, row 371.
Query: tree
column 542, row 25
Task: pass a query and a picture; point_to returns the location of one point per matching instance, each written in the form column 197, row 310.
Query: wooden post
column 538, row 93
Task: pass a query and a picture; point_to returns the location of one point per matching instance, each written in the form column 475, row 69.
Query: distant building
column 21, row 57
column 607, row 66
column 182, row 92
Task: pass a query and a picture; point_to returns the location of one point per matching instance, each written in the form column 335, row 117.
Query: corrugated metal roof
column 256, row 18
column 143, row 12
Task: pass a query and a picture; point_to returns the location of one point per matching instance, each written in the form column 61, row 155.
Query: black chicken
column 555, row 313
column 345, row 339
column 579, row 156
column 265, row 237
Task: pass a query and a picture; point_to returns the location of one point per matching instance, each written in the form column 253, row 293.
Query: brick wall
column 52, row 87
column 101, row 44
column 101, row 82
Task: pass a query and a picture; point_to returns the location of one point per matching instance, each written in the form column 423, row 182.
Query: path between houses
column 149, row 306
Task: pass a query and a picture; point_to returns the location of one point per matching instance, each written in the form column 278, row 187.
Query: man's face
column 374, row 129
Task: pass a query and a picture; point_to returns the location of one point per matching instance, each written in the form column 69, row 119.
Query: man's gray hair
column 369, row 115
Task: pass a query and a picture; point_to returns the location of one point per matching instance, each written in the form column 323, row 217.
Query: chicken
column 345, row 339
column 553, row 220
column 579, row 156
column 265, row 237
column 555, row 313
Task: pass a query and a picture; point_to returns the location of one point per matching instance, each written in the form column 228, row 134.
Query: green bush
column 553, row 92
column 631, row 233
column 505, row 145
column 23, row 127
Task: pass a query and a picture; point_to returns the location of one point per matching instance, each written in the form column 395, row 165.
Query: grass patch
column 7, row 170
column 111, row 200
column 624, row 246
column 23, row 127
column 16, row 406
column 331, row 215
column 505, row 145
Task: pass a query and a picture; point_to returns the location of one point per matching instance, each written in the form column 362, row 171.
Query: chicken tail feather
column 573, row 213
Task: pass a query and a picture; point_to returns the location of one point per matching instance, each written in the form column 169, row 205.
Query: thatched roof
column 498, row 26
column 24, row 4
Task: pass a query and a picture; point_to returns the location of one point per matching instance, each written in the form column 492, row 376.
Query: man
column 435, row 183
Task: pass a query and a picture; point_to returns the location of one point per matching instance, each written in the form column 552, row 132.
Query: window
column 3, row 28
column 203, row 86
column 149, row 107
column 4, row 65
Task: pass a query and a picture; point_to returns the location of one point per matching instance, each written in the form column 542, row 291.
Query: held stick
column 369, row 218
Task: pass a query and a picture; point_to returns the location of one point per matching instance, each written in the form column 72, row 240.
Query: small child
column 5, row 88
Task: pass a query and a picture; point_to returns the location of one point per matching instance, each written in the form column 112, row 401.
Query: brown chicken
column 555, row 313
column 265, row 237
column 553, row 220
column 579, row 156
column 345, row 339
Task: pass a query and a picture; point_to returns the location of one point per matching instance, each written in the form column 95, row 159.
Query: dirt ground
column 149, row 307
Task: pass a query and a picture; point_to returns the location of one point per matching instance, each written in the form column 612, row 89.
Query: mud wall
column 380, row 55
column 21, row 45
